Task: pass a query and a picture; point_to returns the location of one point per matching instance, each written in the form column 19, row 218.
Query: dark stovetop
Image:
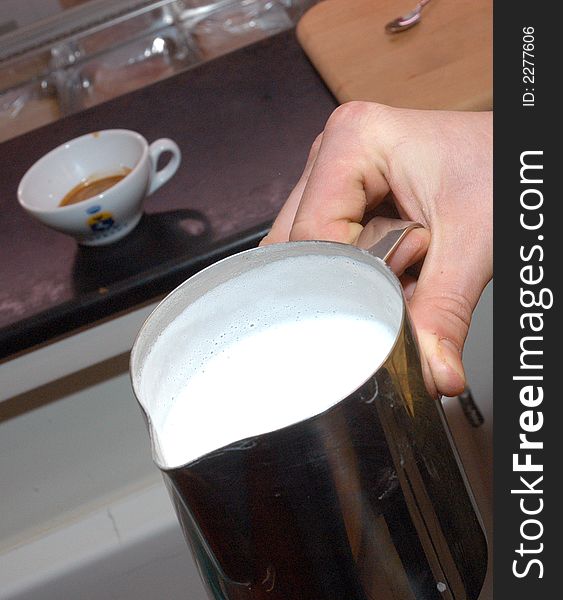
column 244, row 123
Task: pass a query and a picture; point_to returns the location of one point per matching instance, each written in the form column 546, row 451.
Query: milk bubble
column 263, row 351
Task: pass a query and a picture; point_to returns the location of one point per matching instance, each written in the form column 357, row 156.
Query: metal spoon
column 407, row 21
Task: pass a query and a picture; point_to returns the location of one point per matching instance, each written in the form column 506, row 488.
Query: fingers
column 284, row 221
column 368, row 150
column 449, row 286
column 345, row 179
column 412, row 249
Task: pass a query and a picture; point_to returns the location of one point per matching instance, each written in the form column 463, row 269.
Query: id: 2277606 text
column 528, row 66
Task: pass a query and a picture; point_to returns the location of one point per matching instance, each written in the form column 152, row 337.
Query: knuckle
column 350, row 112
column 455, row 312
column 361, row 121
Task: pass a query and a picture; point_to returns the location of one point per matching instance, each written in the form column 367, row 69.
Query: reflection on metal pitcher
column 365, row 500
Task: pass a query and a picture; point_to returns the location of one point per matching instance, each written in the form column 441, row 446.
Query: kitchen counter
column 244, row 123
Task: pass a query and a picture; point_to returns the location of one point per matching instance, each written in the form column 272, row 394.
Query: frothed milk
column 236, row 364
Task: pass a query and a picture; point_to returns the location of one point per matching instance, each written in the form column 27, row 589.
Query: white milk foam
column 221, row 373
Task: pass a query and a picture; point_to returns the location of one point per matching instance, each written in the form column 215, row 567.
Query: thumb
column 448, row 289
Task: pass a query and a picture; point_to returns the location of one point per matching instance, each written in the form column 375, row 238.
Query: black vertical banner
column 528, row 263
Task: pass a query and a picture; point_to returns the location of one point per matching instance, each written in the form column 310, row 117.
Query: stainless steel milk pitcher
column 365, row 501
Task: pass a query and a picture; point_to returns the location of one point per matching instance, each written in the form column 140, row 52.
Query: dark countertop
column 244, row 123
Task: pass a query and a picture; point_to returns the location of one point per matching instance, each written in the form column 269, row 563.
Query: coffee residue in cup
column 92, row 187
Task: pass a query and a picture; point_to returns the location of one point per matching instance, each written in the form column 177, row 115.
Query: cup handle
column 382, row 236
column 159, row 178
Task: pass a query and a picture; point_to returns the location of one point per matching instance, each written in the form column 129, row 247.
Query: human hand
column 437, row 166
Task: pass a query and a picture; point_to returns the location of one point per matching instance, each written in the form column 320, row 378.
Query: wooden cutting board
column 444, row 62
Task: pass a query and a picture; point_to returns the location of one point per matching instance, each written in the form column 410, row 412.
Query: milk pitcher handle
column 382, row 236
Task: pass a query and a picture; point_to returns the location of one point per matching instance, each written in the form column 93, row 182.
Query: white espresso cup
column 112, row 214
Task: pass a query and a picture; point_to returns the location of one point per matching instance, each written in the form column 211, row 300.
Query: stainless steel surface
column 407, row 21
column 135, row 63
column 93, row 14
column 94, row 52
column 365, row 501
column 381, row 237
